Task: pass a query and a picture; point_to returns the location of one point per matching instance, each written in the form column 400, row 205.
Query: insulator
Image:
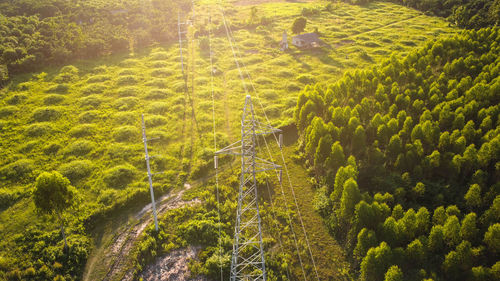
column 281, row 140
column 216, row 162
column 281, row 176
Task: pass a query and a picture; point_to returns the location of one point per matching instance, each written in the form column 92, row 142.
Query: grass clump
column 17, row 170
column 52, row 148
column 16, row 99
column 79, row 148
column 119, row 176
column 306, row 79
column 126, row 134
column 83, row 131
column 76, row 170
column 38, row 130
column 53, row 99
column 158, row 83
column 161, row 72
column 121, row 118
column 88, row 116
column 98, row 78
column 128, row 91
column 45, row 114
column 125, row 104
column 156, row 120
column 91, row 101
column 7, row 111
column 159, row 108
column 93, row 89
column 157, row 94
column 58, row 89
column 126, row 80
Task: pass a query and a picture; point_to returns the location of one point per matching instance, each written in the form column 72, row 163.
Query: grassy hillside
column 84, row 120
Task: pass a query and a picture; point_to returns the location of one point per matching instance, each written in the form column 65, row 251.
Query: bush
column 125, row 104
column 17, row 170
column 7, row 111
column 58, row 89
column 158, row 83
column 53, row 99
column 16, row 99
column 82, row 131
column 126, row 80
column 155, row 120
column 76, row 170
column 79, row 148
column 119, row 176
column 88, row 116
column 51, row 148
column 128, row 91
column 37, row 130
column 159, row 108
column 161, row 72
column 107, row 197
column 98, row 78
column 90, row 101
column 93, row 89
column 44, row 114
column 7, row 199
column 126, row 134
column 306, row 79
column 157, row 94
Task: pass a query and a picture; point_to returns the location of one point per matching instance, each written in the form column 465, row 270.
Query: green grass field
column 84, row 120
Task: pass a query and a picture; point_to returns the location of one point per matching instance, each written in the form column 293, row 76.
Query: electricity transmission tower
column 247, row 262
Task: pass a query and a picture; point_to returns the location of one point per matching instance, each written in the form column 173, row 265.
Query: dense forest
column 37, row 33
column 405, row 156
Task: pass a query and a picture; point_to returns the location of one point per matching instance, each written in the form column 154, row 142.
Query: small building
column 307, row 40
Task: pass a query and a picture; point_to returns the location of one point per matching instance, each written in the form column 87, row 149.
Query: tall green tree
column 53, row 195
column 299, row 24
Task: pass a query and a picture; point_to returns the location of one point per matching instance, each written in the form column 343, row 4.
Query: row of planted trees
column 405, row 159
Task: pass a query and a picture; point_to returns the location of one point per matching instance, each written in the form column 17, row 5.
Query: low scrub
column 79, row 148
column 17, row 170
column 126, row 134
column 45, row 114
column 83, row 131
column 76, row 170
column 119, row 176
column 38, row 130
column 53, row 99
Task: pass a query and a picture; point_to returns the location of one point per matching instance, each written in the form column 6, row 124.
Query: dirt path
column 172, row 266
column 114, row 256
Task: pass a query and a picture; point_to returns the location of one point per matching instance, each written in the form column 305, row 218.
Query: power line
column 282, row 156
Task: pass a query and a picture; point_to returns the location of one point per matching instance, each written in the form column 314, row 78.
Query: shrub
column 53, row 99
column 159, row 56
column 58, row 89
column 161, row 72
column 158, row 83
column 17, row 170
column 159, row 108
column 16, row 99
column 293, row 87
column 126, row 72
column 98, row 78
column 126, row 134
column 93, row 89
column 88, row 116
column 107, row 197
column 157, row 94
column 305, row 79
column 76, row 170
column 119, row 176
column 82, row 131
column 120, row 151
column 122, row 118
column 7, row 111
column 51, row 148
column 155, row 120
column 125, row 104
column 37, row 130
column 43, row 114
column 263, row 81
column 126, row 80
column 128, row 91
column 79, row 148
column 90, row 101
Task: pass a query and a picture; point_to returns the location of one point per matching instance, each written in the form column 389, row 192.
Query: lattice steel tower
column 247, row 262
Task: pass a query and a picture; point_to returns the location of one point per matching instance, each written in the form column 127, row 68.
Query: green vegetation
column 405, row 158
column 35, row 33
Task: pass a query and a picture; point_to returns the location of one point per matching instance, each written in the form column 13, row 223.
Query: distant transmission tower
column 247, row 262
